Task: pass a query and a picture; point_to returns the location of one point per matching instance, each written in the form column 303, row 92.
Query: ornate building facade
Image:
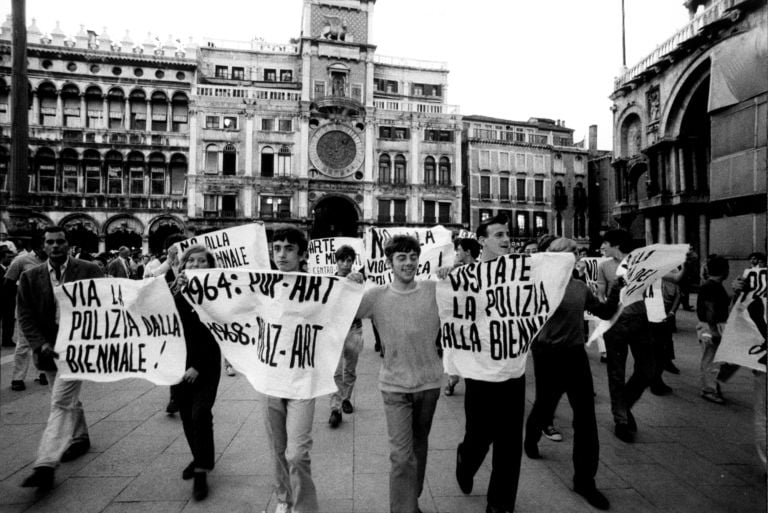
column 690, row 133
column 132, row 141
column 531, row 171
column 108, row 136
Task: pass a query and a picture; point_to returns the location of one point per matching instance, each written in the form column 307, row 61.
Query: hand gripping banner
column 284, row 331
column 242, row 247
column 436, row 251
column 491, row 311
column 116, row 328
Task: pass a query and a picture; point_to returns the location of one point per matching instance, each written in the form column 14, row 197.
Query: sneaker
column 282, row 507
column 712, row 397
column 41, row 478
column 552, row 433
column 335, row 418
column 346, row 406
column 42, row 379
column 229, row 370
column 17, row 385
column 593, row 496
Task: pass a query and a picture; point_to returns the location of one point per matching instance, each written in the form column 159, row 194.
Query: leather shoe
column 41, row 478
column 465, row 480
column 17, row 385
column 593, row 496
column 75, row 450
column 531, row 450
column 495, row 509
column 42, row 379
column 172, row 407
column 188, row 472
column 346, row 406
column 671, row 368
column 200, row 486
column 631, row 422
column 335, row 418
column 624, row 433
column 661, row 388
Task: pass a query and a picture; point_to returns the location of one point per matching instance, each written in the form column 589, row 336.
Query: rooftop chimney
column 592, row 138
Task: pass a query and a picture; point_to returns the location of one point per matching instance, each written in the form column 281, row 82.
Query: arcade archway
column 123, row 231
column 334, row 216
column 83, row 232
column 161, row 229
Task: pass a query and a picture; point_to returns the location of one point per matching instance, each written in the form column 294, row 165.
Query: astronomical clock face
column 336, row 150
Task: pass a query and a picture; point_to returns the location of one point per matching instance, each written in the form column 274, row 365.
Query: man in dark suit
column 120, row 267
column 66, row 433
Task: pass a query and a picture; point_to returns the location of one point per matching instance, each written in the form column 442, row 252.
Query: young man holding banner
column 485, row 399
column 345, row 374
column 289, row 421
column 66, row 433
column 405, row 312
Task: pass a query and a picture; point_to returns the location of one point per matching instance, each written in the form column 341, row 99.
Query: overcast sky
column 511, row 59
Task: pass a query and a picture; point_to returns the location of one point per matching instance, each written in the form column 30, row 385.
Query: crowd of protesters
column 405, row 317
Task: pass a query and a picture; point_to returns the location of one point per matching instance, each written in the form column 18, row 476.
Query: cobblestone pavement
column 689, row 456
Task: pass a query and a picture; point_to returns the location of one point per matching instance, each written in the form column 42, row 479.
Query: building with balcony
column 529, row 170
column 322, row 132
column 131, row 141
column 690, row 133
column 108, row 136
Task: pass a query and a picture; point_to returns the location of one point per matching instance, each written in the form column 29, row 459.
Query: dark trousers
column 195, row 404
column 619, row 340
column 494, row 415
column 663, row 348
column 566, row 371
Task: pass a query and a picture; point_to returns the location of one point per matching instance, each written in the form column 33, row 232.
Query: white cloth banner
column 436, row 251
column 466, row 234
column 242, row 247
column 647, row 265
column 491, row 311
column 654, row 303
column 322, row 257
column 116, row 328
column 744, row 340
column 284, row 331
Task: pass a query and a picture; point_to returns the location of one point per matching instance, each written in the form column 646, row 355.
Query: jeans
column 409, row 420
column 619, row 340
column 346, row 375
column 66, row 422
column 195, row 405
column 494, row 415
column 663, row 348
column 22, row 355
column 289, row 427
column 709, row 369
column 566, row 370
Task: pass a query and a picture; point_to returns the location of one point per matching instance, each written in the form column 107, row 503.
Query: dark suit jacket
column 117, row 269
column 36, row 304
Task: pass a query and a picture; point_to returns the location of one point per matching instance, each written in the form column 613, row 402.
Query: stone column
column 694, row 170
column 83, row 113
column 681, row 168
column 169, row 117
column 648, row 231
column 249, row 144
column 192, row 167
column 127, row 115
column 370, row 152
column 304, row 163
column 416, row 182
column 457, row 169
column 681, row 228
column 59, row 109
column 703, row 236
column 662, row 229
column 104, row 113
column 148, row 127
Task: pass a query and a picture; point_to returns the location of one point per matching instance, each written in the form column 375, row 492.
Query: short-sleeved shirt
column 20, row 264
column 606, row 274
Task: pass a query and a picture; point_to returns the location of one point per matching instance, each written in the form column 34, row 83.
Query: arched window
column 267, row 162
column 46, row 94
column 284, row 161
column 399, row 178
column 116, row 107
column 159, row 112
column 178, row 173
column 579, row 196
column 138, row 101
column 45, row 161
column 579, row 225
column 385, row 169
column 70, row 99
column 136, row 173
column 157, row 174
column 69, row 170
column 430, row 177
column 5, row 111
column 114, row 164
column 444, row 177
column 4, row 159
column 180, row 112
column 94, row 108
column 558, row 225
column 229, row 160
column 92, row 171
column 211, row 159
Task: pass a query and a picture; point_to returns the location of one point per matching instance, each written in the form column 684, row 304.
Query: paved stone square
column 689, row 456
